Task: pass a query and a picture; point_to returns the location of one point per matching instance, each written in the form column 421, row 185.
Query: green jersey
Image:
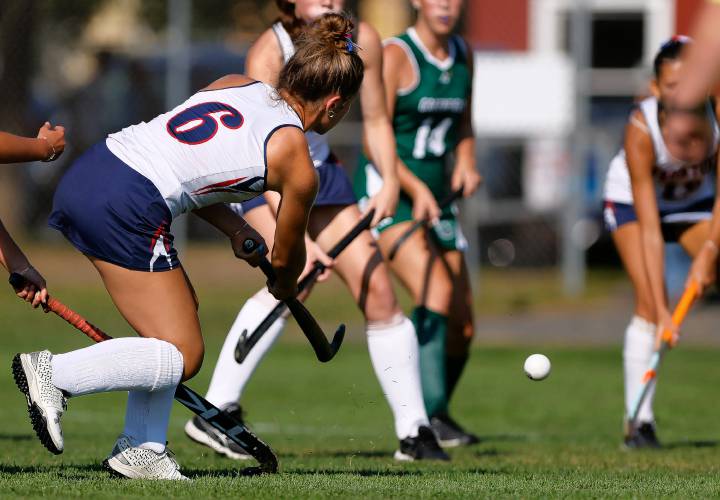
column 428, row 114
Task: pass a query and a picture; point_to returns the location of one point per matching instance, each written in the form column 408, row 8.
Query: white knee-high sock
column 123, row 364
column 637, row 351
column 147, row 417
column 229, row 378
column 395, row 356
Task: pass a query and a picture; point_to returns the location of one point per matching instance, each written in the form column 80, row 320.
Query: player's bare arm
column 290, row 172
column 398, row 74
column 640, row 160
column 264, row 59
column 465, row 173
column 47, row 146
column 376, row 123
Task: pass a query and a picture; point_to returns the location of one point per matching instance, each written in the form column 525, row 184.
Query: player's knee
column 192, row 360
column 381, row 303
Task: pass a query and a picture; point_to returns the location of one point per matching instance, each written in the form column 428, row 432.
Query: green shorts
column 447, row 233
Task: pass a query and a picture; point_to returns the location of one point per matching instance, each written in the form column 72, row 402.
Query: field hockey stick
column 324, row 350
column 246, row 343
column 455, row 195
column 219, row 419
column 650, row 376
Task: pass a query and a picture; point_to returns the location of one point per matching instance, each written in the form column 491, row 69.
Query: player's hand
column 704, row 267
column 425, row 206
column 469, row 179
column 55, row 138
column 385, row 201
column 316, row 254
column 666, row 330
column 237, row 241
column 35, row 290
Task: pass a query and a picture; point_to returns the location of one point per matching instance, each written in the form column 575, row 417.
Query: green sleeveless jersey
column 428, row 115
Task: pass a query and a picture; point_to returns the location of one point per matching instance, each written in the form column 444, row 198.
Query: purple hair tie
column 350, row 44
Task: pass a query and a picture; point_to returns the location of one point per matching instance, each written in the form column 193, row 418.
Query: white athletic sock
column 230, row 377
column 638, row 349
column 147, row 417
column 123, row 364
column 136, row 413
column 395, row 357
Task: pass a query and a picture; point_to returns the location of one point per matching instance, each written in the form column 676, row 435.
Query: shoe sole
column 450, row 443
column 457, row 442
column 202, row 437
column 37, row 417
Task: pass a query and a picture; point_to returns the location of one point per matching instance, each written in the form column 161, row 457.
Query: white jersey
column 210, row 149
column 318, row 144
column 677, row 184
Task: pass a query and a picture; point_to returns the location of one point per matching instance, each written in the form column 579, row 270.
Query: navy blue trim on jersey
column 335, row 187
column 232, row 87
column 270, row 134
column 109, row 211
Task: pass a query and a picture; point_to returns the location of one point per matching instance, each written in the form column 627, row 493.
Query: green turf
column 333, row 433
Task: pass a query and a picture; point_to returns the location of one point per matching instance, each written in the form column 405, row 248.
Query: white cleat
column 133, row 462
column 46, row 403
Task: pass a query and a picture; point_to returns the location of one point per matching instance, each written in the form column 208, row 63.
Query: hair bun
column 332, row 29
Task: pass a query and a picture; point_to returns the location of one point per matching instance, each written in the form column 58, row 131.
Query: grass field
column 333, row 433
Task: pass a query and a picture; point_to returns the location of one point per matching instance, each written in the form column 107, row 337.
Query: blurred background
column 555, row 81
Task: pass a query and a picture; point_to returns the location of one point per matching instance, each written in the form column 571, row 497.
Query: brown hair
column 292, row 24
column 325, row 61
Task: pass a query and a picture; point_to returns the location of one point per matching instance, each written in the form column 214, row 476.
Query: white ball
column 537, row 366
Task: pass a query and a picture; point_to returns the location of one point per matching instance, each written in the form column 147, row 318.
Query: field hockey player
column 227, row 143
column 652, row 197
column 391, row 338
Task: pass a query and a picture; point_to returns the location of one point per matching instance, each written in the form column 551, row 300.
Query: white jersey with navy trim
column 209, row 149
column 318, row 144
column 677, row 184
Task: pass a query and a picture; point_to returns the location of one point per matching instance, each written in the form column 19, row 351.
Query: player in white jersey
column 391, row 337
column 227, row 143
column 652, row 197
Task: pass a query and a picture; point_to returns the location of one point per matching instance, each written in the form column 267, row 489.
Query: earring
column 331, row 114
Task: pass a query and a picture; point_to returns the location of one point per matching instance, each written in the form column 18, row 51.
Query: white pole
column 177, row 78
column 573, row 253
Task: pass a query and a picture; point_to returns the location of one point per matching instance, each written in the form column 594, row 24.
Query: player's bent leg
column 639, row 339
column 694, row 237
column 392, row 342
column 418, row 266
column 459, row 338
column 157, row 305
column 161, row 308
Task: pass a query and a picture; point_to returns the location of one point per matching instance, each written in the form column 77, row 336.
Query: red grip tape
column 77, row 321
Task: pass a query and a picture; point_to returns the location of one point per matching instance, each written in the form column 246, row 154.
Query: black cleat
column 449, row 433
column 201, row 432
column 422, row 447
column 643, row 437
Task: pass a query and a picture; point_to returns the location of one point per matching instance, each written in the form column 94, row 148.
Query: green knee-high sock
column 454, row 366
column 431, row 329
